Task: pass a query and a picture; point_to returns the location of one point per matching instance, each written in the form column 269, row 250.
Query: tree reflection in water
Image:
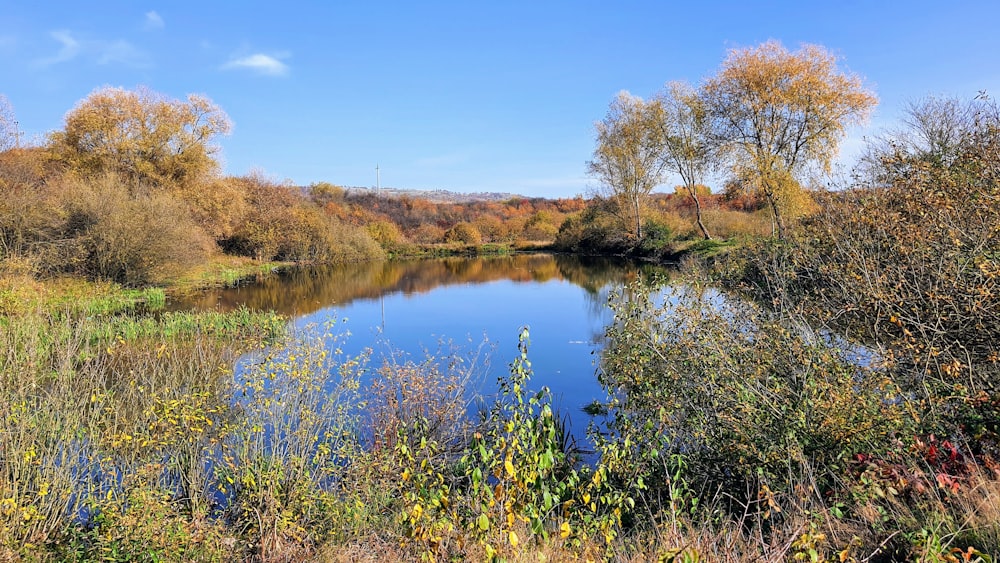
column 402, row 309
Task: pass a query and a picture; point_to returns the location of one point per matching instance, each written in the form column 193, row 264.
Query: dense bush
column 464, row 233
column 386, row 234
column 907, row 261
column 540, row 226
column 29, row 210
column 134, row 239
column 750, row 400
column 428, row 234
column 493, row 229
column 595, row 229
column 282, row 224
column 217, row 206
column 903, row 266
column 656, row 237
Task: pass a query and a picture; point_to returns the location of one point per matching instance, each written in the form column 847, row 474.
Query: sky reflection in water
column 409, row 307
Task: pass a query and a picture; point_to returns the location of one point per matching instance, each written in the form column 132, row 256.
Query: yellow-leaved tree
column 688, row 143
column 777, row 114
column 628, row 160
column 143, row 136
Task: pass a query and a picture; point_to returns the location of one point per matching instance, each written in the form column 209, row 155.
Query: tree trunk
column 697, row 211
column 638, row 220
column 776, row 212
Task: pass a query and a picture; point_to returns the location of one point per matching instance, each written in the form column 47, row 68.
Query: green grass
column 239, row 324
column 224, row 271
column 75, row 296
column 713, row 247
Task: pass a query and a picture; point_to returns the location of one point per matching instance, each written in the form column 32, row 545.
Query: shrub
column 656, row 237
column 352, row 244
column 29, row 211
column 299, row 412
column 907, row 261
column 428, row 234
column 727, row 223
column 323, row 193
column 492, row 229
column 540, row 226
column 281, row 224
column 750, row 400
column 464, row 233
column 679, row 222
column 386, row 234
column 218, row 207
column 514, row 481
column 130, row 239
column 594, row 230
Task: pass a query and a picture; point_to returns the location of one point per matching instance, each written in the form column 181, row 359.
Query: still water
column 412, row 307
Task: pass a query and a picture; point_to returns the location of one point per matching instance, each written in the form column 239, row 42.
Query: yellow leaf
column 513, row 539
column 509, row 467
column 564, row 529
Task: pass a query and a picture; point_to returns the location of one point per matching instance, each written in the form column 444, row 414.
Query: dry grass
column 726, row 223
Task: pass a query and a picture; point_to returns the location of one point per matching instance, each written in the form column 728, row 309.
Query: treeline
column 669, row 224
column 130, row 190
column 398, row 221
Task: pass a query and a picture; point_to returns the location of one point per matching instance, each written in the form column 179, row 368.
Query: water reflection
column 400, row 310
column 303, row 291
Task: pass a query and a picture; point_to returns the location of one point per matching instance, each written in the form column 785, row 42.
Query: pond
column 412, row 307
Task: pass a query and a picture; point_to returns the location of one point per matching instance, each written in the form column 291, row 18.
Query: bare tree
column 629, row 159
column 935, row 132
column 9, row 134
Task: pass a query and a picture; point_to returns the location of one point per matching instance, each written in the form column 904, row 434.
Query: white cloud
column 259, row 63
column 120, row 52
column 102, row 52
column 153, row 21
column 68, row 51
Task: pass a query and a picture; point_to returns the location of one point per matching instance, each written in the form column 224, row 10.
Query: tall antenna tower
column 378, row 182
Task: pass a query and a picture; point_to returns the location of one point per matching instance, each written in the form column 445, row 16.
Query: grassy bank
column 20, row 295
column 223, row 271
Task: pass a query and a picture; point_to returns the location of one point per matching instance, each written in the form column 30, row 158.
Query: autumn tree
column 687, row 137
column 778, row 113
column 323, row 193
column 628, row 160
column 142, row 136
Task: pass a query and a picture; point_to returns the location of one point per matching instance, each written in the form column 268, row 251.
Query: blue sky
column 466, row 96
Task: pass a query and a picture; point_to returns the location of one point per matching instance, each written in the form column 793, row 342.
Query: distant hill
column 437, row 196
